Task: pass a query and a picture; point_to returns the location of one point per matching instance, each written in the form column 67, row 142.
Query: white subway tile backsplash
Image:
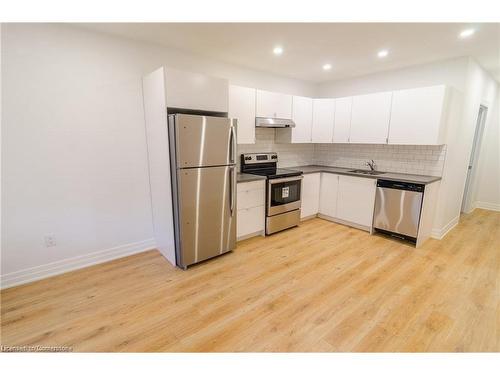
column 427, row 160
column 289, row 155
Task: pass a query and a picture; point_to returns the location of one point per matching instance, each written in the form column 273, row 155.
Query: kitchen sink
column 362, row 171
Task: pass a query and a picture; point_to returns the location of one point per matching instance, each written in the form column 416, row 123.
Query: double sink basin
column 362, row 171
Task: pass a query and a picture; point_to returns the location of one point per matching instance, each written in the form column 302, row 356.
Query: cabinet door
column 342, row 125
column 250, row 194
column 242, row 107
column 417, row 116
column 328, row 194
column 302, row 116
column 273, row 104
column 310, row 195
column 323, row 119
column 370, row 118
column 196, row 91
column 250, row 220
column 356, row 199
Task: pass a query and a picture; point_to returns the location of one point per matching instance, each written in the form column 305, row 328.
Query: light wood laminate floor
column 318, row 287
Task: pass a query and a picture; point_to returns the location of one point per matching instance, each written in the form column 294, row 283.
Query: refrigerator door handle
column 231, row 189
column 232, row 145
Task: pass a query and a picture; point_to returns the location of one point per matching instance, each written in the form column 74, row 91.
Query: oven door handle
column 285, row 179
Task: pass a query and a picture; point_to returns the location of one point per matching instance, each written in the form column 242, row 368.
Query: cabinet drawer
column 250, row 220
column 252, row 185
column 250, row 198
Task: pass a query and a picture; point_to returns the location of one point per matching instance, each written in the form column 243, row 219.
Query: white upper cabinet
column 370, row 118
column 242, row 107
column 302, row 109
column 342, row 127
column 323, row 119
column 189, row 90
column 328, row 194
column 310, row 195
column 273, row 104
column 356, row 200
column 418, row 116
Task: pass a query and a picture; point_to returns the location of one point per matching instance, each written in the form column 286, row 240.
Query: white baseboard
column 487, row 206
column 51, row 269
column 439, row 234
column 345, row 222
column 308, row 217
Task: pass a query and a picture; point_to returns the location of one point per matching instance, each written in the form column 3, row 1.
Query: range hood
column 268, row 122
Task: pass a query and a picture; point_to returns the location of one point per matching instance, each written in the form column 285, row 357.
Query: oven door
column 283, row 195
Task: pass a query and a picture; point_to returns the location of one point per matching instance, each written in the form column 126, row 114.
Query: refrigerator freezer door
column 203, row 141
column 207, row 213
column 397, row 211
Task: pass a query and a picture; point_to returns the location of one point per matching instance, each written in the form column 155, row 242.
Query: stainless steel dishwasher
column 397, row 209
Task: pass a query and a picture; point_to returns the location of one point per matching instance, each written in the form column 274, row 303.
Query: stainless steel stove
column 283, row 190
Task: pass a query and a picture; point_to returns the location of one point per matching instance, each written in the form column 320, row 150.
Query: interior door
column 203, row 141
column 207, row 213
column 473, row 156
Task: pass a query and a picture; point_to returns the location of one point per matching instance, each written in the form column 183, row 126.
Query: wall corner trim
column 55, row 268
column 439, row 234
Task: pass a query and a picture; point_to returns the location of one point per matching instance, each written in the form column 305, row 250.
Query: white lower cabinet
column 328, row 194
column 250, row 221
column 310, row 195
column 251, row 212
column 356, row 199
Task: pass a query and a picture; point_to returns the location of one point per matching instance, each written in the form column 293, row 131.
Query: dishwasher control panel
column 400, row 185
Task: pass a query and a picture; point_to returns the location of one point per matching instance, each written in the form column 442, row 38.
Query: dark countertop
column 247, row 177
column 403, row 177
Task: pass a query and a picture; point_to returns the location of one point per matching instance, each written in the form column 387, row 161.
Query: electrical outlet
column 50, row 241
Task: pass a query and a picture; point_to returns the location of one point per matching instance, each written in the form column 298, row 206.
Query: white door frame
column 482, row 114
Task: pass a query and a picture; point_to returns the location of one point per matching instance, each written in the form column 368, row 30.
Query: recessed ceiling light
column 467, row 33
column 327, row 66
column 382, row 53
column 278, row 50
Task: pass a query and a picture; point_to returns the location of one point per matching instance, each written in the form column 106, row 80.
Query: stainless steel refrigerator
column 203, row 166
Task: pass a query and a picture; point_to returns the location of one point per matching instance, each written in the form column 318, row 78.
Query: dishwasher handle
column 401, row 185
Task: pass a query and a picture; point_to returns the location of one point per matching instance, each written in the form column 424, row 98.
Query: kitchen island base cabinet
column 251, row 211
column 310, row 195
column 356, row 200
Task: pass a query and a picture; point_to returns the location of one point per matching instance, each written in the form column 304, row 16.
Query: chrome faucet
column 371, row 164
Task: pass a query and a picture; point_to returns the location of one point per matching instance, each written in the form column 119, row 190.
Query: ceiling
column 351, row 48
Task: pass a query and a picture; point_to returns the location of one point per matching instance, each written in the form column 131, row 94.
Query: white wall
column 450, row 72
column 474, row 85
column 74, row 149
